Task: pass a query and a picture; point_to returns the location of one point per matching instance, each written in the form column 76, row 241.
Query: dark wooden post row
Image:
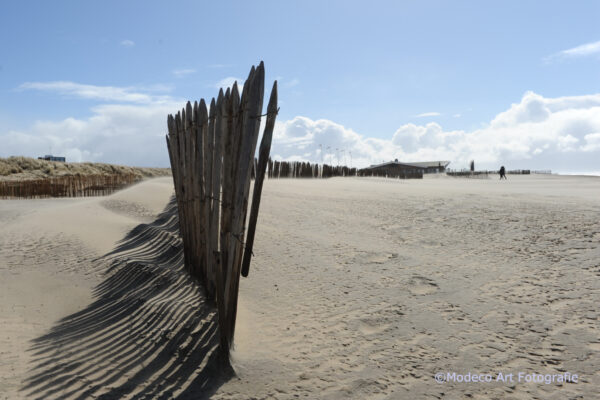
column 66, row 186
column 212, row 159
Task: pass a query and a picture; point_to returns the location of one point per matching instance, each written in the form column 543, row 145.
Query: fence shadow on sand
column 149, row 333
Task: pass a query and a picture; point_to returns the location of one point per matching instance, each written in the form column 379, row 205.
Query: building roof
column 424, row 164
column 385, row 164
column 430, row 164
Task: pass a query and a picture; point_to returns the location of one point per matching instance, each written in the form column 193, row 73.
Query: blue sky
column 408, row 80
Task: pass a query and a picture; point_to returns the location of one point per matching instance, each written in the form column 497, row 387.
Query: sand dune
column 360, row 288
column 26, row 168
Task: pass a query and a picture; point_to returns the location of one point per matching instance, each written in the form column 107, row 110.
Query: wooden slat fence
column 468, row 174
column 399, row 174
column 66, row 186
column 301, row 169
column 212, row 157
column 479, row 174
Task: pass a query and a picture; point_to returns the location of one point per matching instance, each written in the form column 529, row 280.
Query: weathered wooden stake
column 263, row 154
column 212, row 159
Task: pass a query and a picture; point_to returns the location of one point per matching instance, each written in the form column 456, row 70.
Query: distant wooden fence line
column 302, row 169
column 212, row 156
column 468, row 174
column 485, row 174
column 400, row 174
column 66, row 186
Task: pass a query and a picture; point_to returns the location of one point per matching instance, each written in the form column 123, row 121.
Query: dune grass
column 26, row 168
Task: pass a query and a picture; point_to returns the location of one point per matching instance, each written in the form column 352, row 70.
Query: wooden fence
column 469, row 174
column 212, row 156
column 66, row 186
column 485, row 174
column 416, row 173
column 301, row 169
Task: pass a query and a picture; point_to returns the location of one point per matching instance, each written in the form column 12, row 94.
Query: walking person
column 502, row 172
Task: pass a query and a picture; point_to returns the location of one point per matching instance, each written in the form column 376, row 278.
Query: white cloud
column 228, row 82
column 536, row 133
column 532, row 108
column 130, row 130
column 428, row 114
column 179, row 73
column 584, row 50
column 219, row 66
column 93, row 92
column 592, row 142
column 566, row 143
column 120, row 134
column 127, row 43
column 291, row 83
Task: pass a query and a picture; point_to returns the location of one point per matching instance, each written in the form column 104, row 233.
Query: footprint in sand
column 380, row 258
column 595, row 346
column 419, row 286
column 372, row 326
column 369, row 257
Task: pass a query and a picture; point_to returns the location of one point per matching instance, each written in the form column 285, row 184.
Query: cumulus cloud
column 120, row 134
column 592, row 142
column 536, row 133
column 294, row 137
column 129, row 129
column 93, row 92
column 127, row 43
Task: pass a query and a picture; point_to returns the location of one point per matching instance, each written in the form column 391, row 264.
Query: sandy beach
column 361, row 288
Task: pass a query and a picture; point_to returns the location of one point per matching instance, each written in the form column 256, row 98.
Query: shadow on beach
column 150, row 333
